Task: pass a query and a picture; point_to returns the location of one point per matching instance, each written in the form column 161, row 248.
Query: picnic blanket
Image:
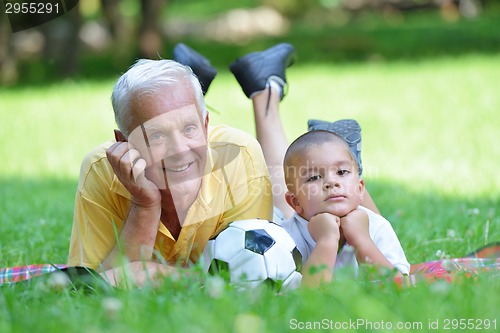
column 22, row 273
column 78, row 278
column 485, row 259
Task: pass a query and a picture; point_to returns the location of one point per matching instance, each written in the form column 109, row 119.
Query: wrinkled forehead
column 175, row 119
column 154, row 105
column 168, row 121
column 179, row 89
column 169, row 96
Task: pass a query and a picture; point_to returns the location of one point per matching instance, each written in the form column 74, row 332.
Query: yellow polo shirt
column 235, row 186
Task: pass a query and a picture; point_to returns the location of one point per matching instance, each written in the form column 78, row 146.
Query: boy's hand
column 355, row 227
column 324, row 225
column 324, row 229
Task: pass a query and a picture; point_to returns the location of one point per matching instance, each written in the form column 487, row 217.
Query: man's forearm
column 139, row 273
column 136, row 241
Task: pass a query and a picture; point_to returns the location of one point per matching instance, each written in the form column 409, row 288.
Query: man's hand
column 140, row 274
column 141, row 226
column 130, row 167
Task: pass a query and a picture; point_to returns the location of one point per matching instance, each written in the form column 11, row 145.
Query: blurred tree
column 297, row 8
column 146, row 23
column 113, row 16
column 55, row 43
column 150, row 37
column 62, row 43
column 8, row 62
column 118, row 28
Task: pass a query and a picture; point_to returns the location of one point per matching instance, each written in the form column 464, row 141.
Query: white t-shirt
column 381, row 232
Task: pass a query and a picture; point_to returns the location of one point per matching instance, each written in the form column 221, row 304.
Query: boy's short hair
column 304, row 142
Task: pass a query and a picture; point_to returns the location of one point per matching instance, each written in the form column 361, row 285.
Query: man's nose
column 176, row 146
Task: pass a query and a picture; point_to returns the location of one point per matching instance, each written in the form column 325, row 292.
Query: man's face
column 170, row 135
column 326, row 181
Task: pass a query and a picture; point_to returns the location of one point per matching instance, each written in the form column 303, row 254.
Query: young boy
column 330, row 228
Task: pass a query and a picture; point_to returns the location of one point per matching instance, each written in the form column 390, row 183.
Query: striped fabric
column 20, row 273
column 484, row 260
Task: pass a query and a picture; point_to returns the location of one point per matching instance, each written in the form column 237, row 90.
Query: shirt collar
column 302, row 225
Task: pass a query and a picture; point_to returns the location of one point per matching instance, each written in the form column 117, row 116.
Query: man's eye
column 156, row 137
column 313, row 178
column 189, row 129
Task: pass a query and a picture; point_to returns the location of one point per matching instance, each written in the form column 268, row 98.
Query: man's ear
column 293, row 202
column 206, row 123
column 119, row 136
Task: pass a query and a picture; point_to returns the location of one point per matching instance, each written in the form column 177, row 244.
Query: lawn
column 430, row 154
column 428, row 107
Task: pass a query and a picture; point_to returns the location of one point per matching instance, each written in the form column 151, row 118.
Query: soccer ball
column 252, row 252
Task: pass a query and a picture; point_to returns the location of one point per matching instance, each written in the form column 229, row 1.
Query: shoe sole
column 348, row 129
column 257, row 60
column 200, row 65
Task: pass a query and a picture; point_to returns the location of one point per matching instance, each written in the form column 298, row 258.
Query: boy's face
column 325, row 181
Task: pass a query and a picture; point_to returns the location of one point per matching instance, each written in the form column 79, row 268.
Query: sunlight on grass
column 432, row 125
column 46, row 132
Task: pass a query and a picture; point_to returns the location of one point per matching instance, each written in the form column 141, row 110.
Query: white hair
column 147, row 75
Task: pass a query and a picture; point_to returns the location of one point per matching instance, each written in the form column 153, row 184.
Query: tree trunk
column 8, row 62
column 120, row 31
column 150, row 38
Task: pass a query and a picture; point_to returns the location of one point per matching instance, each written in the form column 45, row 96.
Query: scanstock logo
column 26, row 14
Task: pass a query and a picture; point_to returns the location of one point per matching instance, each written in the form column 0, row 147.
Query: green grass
column 430, row 153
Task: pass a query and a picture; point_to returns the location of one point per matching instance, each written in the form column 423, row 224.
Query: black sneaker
column 200, row 65
column 253, row 70
column 348, row 129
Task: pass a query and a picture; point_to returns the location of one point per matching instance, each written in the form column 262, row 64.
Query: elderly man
column 170, row 182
